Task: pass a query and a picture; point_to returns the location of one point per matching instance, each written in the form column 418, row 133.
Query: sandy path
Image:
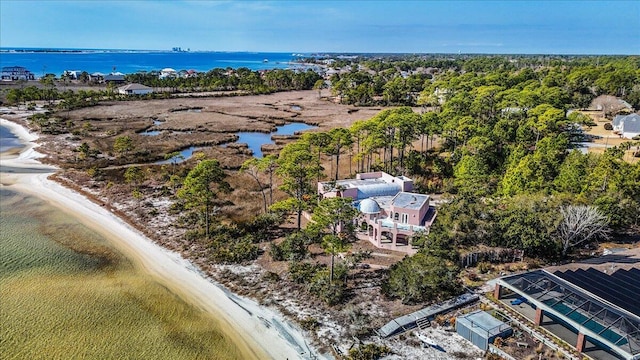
column 259, row 332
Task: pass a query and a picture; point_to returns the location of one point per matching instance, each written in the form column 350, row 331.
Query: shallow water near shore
column 67, row 293
column 8, row 141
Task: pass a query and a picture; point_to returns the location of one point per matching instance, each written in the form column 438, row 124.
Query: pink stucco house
column 389, row 212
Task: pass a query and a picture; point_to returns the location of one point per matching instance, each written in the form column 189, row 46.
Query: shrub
column 302, row 273
column 422, row 278
column 368, row 352
column 233, row 250
column 484, row 267
column 608, row 126
column 270, row 276
column 309, row 323
column 359, row 321
column 293, row 248
column 331, row 293
column 261, row 227
column 95, row 173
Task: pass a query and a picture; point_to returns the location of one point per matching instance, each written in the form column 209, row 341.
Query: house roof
column 368, row 187
column 407, row 200
column 134, row 86
column 631, row 124
column 617, row 120
column 112, row 77
column 482, row 320
column 369, row 206
column 14, row 68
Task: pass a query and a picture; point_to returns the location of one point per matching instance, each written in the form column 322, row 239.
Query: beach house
column 628, row 126
column 14, row 73
column 168, row 73
column 390, row 213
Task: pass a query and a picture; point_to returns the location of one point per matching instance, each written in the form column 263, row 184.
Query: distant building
column 72, row 74
column 168, row 73
column 96, row 77
column 134, row 89
column 390, row 214
column 628, row 126
column 14, row 73
column 114, row 78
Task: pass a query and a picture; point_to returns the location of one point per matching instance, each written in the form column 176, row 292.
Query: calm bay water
column 68, row 294
column 8, row 140
column 128, row 62
column 255, row 140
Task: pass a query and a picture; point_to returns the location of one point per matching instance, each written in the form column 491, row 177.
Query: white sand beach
column 257, row 330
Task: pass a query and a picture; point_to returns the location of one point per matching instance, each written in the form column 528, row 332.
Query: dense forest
column 493, row 136
column 532, row 80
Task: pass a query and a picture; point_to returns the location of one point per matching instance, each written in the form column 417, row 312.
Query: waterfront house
column 390, row 213
column 628, row 126
column 14, row 73
column 134, row 89
column 168, row 73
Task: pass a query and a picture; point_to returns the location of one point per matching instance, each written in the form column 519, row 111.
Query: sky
column 495, row 27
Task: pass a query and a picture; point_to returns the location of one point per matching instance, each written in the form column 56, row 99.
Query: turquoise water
column 255, row 139
column 128, row 62
column 8, row 140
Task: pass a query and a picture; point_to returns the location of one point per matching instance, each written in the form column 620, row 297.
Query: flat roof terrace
column 411, row 201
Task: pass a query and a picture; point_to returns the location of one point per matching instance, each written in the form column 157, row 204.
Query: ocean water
column 128, row 62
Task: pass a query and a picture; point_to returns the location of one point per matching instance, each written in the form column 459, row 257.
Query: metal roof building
column 481, row 328
column 600, row 308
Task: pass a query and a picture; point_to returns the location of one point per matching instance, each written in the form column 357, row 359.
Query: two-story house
column 390, row 213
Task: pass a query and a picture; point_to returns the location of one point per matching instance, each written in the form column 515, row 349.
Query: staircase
column 423, row 323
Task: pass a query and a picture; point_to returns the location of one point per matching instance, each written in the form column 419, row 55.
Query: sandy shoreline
column 259, row 332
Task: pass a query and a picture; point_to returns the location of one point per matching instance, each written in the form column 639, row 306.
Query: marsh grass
column 66, row 294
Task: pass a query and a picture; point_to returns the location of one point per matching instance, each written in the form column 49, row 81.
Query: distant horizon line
column 5, row 49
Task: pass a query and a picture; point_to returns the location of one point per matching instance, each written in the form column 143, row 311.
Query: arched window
column 405, row 218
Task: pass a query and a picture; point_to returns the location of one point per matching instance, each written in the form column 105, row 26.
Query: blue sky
column 555, row 27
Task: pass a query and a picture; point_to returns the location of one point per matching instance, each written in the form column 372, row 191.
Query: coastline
column 259, row 332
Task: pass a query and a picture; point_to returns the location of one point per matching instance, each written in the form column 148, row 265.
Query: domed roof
column 369, row 206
